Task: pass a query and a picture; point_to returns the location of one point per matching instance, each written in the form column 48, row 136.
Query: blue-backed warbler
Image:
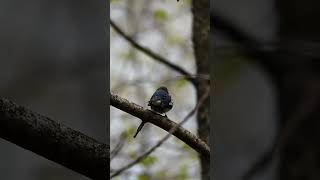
column 160, row 102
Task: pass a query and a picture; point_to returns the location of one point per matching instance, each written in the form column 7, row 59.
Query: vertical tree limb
column 200, row 37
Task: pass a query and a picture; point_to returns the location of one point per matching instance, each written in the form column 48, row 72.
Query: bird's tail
column 139, row 129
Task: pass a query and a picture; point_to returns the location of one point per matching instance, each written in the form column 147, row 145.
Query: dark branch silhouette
column 53, row 140
column 257, row 52
column 152, row 54
column 275, row 60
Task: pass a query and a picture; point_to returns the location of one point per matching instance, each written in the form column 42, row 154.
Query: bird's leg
column 139, row 129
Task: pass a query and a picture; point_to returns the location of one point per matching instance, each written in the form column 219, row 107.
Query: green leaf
column 143, row 177
column 181, row 83
column 149, row 161
column 174, row 40
column 188, row 1
column 113, row 1
column 160, row 15
column 128, row 134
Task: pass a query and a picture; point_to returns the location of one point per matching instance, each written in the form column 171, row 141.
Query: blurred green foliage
column 183, row 173
column 149, row 161
column 181, row 83
column 128, row 134
column 143, row 176
column 113, row 1
column 160, row 15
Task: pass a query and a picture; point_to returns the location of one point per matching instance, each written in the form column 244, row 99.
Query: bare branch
column 117, row 149
column 172, row 130
column 164, row 123
column 249, row 46
column 53, row 141
column 152, row 54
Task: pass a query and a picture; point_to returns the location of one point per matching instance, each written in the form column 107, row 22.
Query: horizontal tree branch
column 53, row 140
column 171, row 131
column 148, row 116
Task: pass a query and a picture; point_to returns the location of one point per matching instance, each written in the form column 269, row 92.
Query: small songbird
column 160, row 102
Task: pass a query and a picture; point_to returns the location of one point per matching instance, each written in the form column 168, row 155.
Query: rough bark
column 53, row 141
column 200, row 37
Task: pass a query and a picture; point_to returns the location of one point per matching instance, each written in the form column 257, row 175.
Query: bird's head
column 163, row 88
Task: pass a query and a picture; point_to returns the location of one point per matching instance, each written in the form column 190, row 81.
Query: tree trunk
column 201, row 28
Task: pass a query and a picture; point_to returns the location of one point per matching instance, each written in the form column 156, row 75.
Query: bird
column 160, row 102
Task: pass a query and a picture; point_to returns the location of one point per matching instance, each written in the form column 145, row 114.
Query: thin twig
column 117, row 149
column 144, row 81
column 200, row 103
column 152, row 54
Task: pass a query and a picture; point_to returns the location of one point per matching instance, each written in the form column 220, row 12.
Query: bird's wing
column 155, row 100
